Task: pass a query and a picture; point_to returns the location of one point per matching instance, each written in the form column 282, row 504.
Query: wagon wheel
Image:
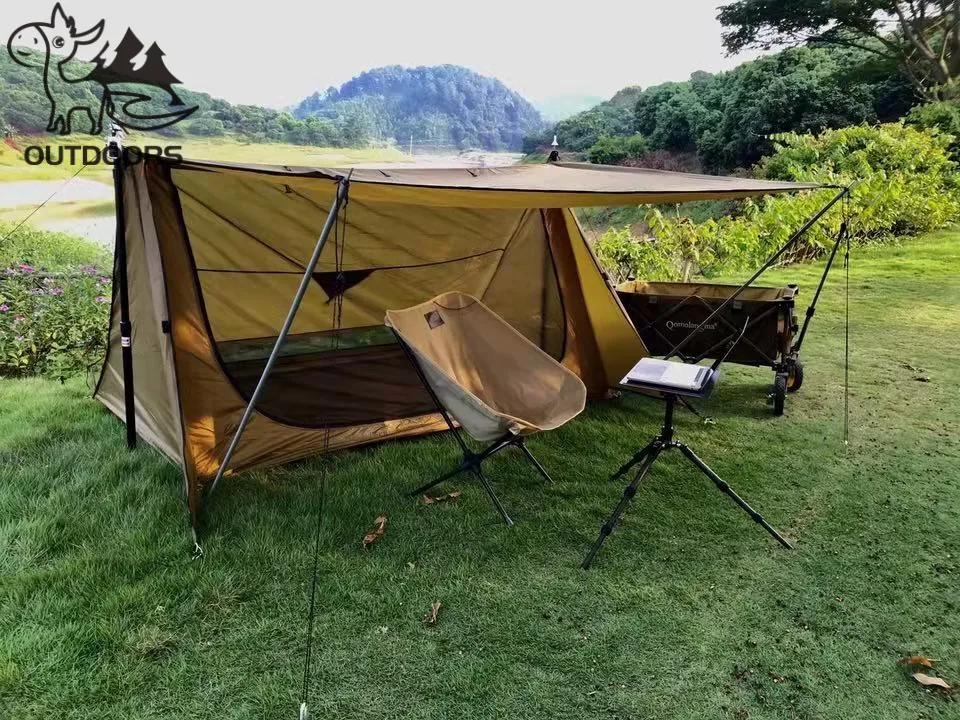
column 794, row 376
column 779, row 393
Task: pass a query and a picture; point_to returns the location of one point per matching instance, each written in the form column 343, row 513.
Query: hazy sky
column 278, row 51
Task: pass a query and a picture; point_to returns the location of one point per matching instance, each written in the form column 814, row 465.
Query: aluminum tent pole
column 772, row 259
column 342, row 190
column 126, row 327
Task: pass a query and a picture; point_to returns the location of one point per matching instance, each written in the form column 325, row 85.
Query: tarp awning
column 550, row 185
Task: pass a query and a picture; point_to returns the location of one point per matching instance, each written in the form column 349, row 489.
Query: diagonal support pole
column 770, row 261
column 343, row 185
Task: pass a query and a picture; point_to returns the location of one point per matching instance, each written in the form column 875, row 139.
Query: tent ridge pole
column 343, row 185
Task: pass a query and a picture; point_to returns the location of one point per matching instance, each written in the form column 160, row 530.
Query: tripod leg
column 638, row 457
column 433, row 483
column 536, row 463
column 628, row 492
column 727, row 490
column 493, row 496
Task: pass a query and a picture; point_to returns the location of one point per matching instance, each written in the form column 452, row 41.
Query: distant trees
column 727, row 119
column 921, row 36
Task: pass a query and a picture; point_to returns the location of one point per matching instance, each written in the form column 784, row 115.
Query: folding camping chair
column 485, row 377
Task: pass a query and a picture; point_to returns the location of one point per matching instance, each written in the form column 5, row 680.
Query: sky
column 276, row 53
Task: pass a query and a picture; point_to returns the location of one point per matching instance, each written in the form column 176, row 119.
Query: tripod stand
column 646, row 457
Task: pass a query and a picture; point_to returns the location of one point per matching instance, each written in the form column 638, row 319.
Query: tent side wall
column 618, row 343
column 210, row 404
column 157, row 414
column 189, row 407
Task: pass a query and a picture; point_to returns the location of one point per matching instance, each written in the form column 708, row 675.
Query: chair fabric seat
column 487, row 375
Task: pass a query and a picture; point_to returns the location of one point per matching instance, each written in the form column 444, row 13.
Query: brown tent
column 214, row 254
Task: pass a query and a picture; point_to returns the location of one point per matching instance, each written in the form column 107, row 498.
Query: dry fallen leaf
column 930, row 681
column 430, row 619
column 427, row 500
column 378, row 530
column 921, row 660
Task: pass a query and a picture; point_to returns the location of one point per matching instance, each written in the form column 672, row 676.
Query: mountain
column 440, row 106
column 559, row 107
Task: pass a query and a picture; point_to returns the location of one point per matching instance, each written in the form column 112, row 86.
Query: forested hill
column 439, row 106
column 446, row 106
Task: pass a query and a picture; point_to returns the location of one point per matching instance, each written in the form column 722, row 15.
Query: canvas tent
column 214, row 254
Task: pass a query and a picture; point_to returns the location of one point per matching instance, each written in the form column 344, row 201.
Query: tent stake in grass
column 343, row 185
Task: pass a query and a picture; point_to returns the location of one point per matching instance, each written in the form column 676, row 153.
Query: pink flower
column 101, row 299
column 104, row 281
column 4, row 307
column 19, row 318
column 89, row 270
column 27, row 268
column 11, row 271
column 56, row 291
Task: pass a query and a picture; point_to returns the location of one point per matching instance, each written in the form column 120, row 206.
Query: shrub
column 610, row 149
column 943, row 117
column 54, row 304
column 908, row 185
column 50, row 251
column 624, row 255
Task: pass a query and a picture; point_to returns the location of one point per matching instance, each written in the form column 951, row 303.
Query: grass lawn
column 690, row 611
column 13, row 168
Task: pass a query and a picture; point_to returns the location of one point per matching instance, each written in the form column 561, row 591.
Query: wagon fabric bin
column 666, row 313
column 485, row 376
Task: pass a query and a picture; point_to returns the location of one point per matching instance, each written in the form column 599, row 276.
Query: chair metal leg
column 464, row 466
column 637, row 458
column 536, row 463
column 655, row 448
column 493, row 496
column 723, row 487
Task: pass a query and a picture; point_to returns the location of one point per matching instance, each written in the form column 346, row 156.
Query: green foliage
column 728, row 118
column 52, row 323
column 624, row 255
column 441, row 106
column 923, row 36
column 578, row 133
column 943, row 117
column 54, row 303
column 610, row 149
column 50, row 251
column 907, row 185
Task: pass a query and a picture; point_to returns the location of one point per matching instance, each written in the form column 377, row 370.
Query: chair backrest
column 472, row 358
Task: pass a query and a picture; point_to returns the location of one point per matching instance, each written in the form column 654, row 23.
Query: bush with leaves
column 54, row 304
column 907, row 185
column 613, row 149
column 943, row 117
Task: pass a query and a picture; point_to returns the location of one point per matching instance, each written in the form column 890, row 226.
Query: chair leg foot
column 463, row 467
column 628, row 492
column 493, row 497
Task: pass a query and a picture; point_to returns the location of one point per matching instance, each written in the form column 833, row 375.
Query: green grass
column 691, row 611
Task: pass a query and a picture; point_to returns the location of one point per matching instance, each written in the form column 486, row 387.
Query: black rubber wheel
column 779, row 393
column 794, row 376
